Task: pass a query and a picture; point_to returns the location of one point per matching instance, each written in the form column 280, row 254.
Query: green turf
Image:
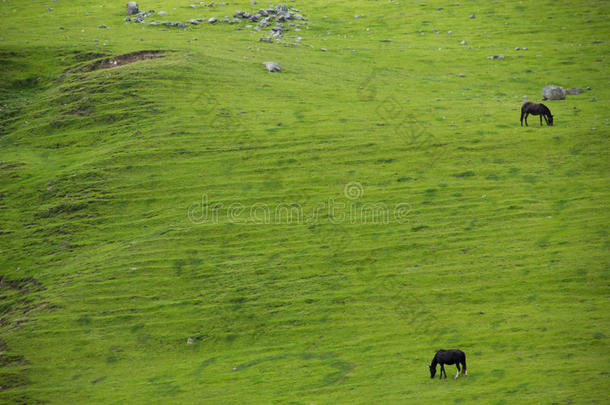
column 451, row 225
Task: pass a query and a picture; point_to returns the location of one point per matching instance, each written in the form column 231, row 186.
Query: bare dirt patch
column 120, row 60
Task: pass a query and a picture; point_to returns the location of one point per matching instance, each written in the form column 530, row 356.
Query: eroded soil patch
column 120, row 60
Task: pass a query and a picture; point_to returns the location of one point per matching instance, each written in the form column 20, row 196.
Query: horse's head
column 432, row 371
column 550, row 120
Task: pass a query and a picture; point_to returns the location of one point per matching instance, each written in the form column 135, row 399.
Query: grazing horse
column 453, row 356
column 536, row 109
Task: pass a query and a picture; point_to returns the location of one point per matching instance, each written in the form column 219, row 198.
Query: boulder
column 574, row 91
column 553, row 93
column 281, row 9
column 272, row 66
column 132, row 8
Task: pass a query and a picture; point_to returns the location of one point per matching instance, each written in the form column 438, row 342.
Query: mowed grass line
column 502, row 252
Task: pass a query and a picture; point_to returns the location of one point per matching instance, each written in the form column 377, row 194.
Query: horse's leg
column 522, row 113
column 443, row 371
column 526, row 114
column 458, row 372
column 541, row 119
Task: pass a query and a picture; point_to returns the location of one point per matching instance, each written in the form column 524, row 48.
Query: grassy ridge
column 502, row 250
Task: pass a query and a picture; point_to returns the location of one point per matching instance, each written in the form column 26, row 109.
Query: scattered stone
column 253, row 2
column 472, row 16
column 552, row 92
column 132, row 8
column 281, row 9
column 103, row 26
column 589, row 88
column 517, row 49
column 272, row 66
column 596, row 42
column 324, row 50
column 574, row 91
column 162, row 13
column 189, row 341
column 193, row 21
column 461, row 75
column 463, row 43
column 212, row 20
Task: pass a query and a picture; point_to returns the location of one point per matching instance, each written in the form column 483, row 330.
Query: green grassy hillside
column 190, row 228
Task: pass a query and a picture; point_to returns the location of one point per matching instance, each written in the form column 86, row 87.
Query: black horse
column 536, row 109
column 453, row 356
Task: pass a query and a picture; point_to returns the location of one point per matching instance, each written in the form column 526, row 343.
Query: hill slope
column 184, row 226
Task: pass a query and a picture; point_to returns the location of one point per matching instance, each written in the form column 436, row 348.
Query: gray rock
column 463, row 43
column 212, row 20
column 324, row 50
column 193, row 21
column 253, row 2
column 189, row 341
column 162, row 13
column 473, row 16
column 132, row 8
column 553, row 93
column 574, row 91
column 281, row 9
column 272, row 66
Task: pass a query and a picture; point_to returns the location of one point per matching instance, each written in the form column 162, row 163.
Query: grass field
column 191, row 228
